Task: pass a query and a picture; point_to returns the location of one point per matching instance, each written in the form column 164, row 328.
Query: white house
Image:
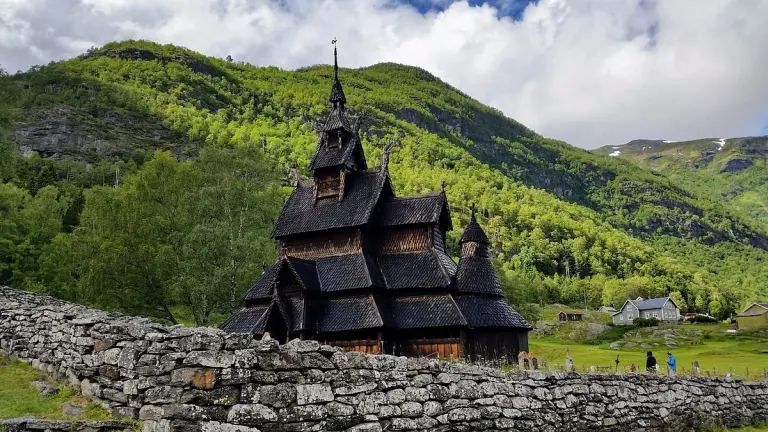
column 664, row 309
column 607, row 309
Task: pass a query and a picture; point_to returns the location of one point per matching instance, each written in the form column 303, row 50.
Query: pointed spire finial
column 335, row 61
column 473, row 208
column 337, row 94
column 442, row 185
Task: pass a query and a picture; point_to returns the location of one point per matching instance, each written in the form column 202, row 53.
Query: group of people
column 652, row 366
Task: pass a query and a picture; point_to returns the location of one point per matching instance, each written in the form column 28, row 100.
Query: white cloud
column 590, row 72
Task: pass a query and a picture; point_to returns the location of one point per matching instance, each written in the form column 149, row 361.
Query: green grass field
column 19, row 398
column 718, row 356
column 717, row 352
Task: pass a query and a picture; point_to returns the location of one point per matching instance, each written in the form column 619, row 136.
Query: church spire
column 338, row 144
column 337, row 93
column 474, row 233
column 335, row 61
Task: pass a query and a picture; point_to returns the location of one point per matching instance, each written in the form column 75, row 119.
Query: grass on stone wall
column 19, row 398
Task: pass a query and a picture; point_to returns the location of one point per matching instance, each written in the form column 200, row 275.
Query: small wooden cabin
column 755, row 316
column 570, row 315
column 366, row 270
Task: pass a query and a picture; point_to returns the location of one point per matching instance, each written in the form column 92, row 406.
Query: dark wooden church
column 366, row 270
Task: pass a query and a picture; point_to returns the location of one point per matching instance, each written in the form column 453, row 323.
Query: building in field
column 366, row 270
column 755, row 316
column 609, row 309
column 664, row 309
column 570, row 315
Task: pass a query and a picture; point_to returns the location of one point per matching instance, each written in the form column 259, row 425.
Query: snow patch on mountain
column 720, row 142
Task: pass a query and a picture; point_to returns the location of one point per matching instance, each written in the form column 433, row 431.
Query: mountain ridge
column 735, row 169
column 573, row 219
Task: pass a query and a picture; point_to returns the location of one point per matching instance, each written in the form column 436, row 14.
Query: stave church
column 366, row 270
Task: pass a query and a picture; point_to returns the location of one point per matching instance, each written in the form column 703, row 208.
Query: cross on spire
column 473, row 208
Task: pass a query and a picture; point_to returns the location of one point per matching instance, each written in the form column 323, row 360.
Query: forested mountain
column 734, row 170
column 146, row 177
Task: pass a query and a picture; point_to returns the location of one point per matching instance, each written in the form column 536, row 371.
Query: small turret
column 475, row 272
column 474, row 242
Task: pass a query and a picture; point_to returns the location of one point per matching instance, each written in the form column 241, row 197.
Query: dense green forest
column 147, row 178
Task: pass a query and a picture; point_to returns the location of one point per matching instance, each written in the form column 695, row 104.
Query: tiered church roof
column 355, row 257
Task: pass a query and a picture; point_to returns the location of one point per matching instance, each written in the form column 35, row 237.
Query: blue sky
column 506, row 8
column 588, row 72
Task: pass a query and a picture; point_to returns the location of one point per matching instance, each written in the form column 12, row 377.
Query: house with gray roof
column 664, row 309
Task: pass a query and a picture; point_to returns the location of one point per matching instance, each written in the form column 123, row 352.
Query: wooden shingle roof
column 347, row 313
column 301, row 214
column 476, row 275
column 349, row 154
column 474, row 232
column 337, row 119
column 304, row 271
column 423, row 269
column 262, row 288
column 422, row 311
column 247, row 320
column 347, row 272
column 486, row 311
column 337, row 92
column 423, row 209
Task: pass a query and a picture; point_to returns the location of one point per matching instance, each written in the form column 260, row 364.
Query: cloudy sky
column 590, row 72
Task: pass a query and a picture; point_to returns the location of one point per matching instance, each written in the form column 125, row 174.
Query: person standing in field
column 650, row 362
column 671, row 363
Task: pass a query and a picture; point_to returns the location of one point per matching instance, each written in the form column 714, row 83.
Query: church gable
column 303, row 214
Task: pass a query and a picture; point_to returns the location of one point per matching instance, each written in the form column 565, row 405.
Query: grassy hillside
column 566, row 224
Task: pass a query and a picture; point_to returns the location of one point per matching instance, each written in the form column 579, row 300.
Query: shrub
column 613, row 333
column 646, row 322
column 703, row 319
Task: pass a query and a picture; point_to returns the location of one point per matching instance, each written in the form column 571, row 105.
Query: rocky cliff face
column 62, row 131
column 181, row 379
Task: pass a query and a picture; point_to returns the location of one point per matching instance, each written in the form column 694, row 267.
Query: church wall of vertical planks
column 366, row 270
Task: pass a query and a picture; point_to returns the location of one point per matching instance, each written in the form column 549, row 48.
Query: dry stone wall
column 182, row 379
